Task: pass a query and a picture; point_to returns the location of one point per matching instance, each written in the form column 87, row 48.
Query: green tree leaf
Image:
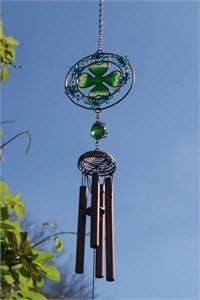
column 11, row 41
column 59, row 243
column 19, row 211
column 17, row 229
column 26, row 294
column 4, row 74
column 25, row 247
column 50, row 272
column 12, row 240
column 4, row 268
column 3, row 187
column 4, row 214
column 9, row 54
column 1, row 33
column 33, row 271
column 40, row 283
column 25, row 277
column 9, row 279
column 6, row 227
column 18, row 266
column 9, row 295
column 42, row 256
column 51, row 225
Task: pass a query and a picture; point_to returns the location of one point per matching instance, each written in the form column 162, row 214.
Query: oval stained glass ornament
column 99, row 81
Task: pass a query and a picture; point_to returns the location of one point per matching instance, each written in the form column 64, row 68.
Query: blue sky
column 153, row 134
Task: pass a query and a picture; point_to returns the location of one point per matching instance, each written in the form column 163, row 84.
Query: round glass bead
column 98, row 130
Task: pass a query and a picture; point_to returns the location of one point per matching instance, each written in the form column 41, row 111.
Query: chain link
column 98, row 116
column 100, row 49
column 100, row 35
column 97, row 145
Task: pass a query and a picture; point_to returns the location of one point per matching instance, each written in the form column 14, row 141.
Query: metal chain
column 98, row 116
column 100, row 36
column 97, row 145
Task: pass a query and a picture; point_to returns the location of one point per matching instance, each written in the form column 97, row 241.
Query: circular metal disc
column 97, row 161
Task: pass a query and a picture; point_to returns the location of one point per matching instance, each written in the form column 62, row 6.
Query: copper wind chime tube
column 80, row 246
column 101, row 164
column 100, row 249
column 110, row 269
column 95, row 211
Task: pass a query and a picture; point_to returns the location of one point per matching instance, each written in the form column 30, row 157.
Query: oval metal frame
column 76, row 96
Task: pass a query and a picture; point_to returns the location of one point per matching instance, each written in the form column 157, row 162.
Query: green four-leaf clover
column 86, row 80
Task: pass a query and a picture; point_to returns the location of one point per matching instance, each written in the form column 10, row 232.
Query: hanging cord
column 93, row 274
column 100, row 35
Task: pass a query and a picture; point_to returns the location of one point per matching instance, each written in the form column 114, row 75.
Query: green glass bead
column 98, row 130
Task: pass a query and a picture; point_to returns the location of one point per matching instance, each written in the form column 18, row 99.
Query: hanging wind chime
column 97, row 82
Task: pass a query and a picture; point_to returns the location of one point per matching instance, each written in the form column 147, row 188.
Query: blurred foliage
column 7, row 53
column 23, row 267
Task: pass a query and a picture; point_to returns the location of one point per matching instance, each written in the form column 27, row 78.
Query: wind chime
column 97, row 82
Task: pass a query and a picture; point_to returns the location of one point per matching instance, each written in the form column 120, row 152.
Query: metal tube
column 95, row 211
column 80, row 245
column 100, row 249
column 110, row 268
